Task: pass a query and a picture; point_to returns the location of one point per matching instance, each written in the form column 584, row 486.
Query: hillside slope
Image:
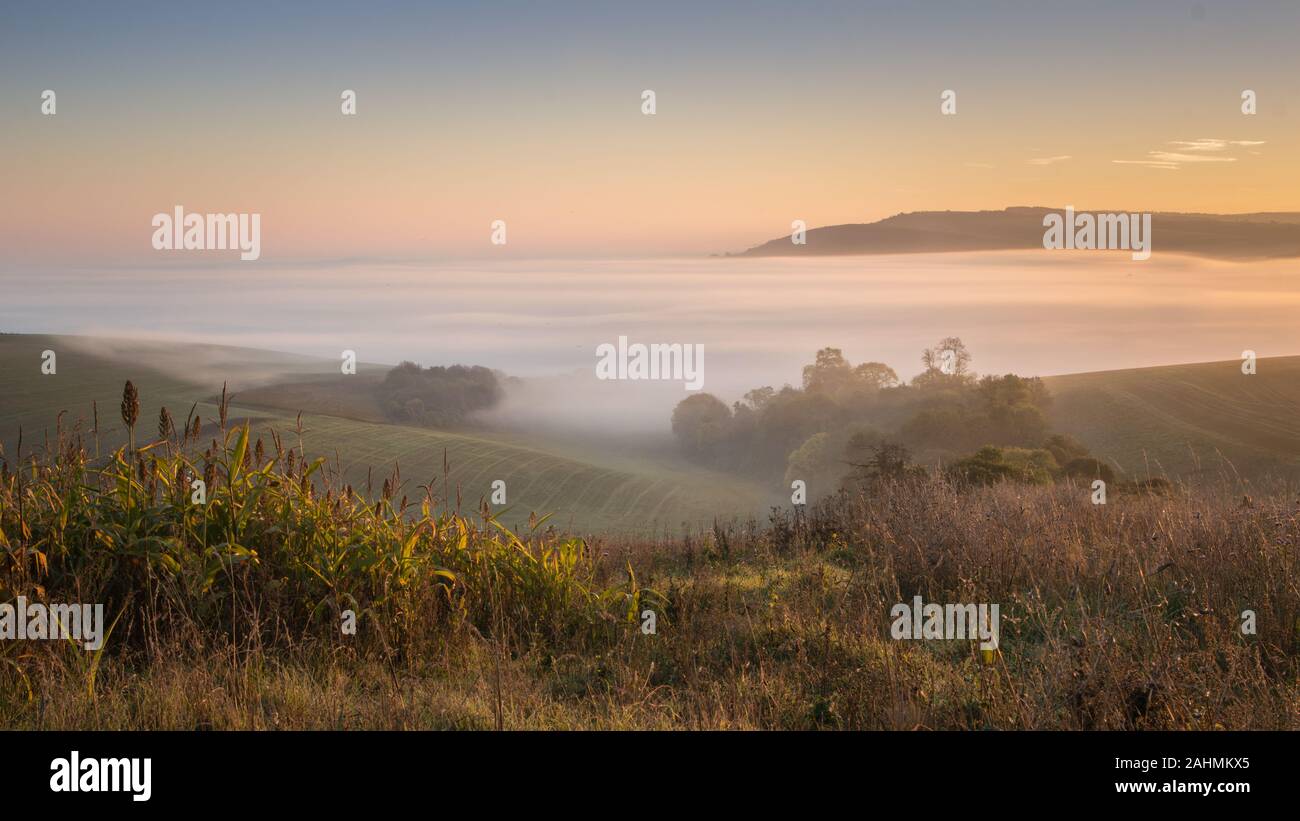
column 1197, row 420
column 1182, row 421
column 582, row 489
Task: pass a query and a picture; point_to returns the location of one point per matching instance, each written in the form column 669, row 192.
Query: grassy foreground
column 228, row 614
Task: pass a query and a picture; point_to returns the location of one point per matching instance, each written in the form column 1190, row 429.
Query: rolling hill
column 1192, row 422
column 582, row 488
column 1187, row 421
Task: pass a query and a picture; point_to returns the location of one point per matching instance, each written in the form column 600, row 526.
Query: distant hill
column 1223, row 236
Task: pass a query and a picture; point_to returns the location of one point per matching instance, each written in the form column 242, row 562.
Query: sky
column 531, row 113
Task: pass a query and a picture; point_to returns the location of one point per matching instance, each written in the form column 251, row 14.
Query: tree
column 1014, row 390
column 759, row 397
column 875, row 460
column 946, row 426
column 1012, row 410
column 790, row 418
column 888, row 460
column 876, row 375
column 813, row 461
column 828, row 373
column 1065, row 448
column 415, row 409
column 701, row 423
column 947, row 362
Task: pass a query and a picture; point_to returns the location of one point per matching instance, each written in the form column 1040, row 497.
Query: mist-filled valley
column 759, row 320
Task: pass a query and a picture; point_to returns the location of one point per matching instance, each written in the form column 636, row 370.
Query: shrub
column 984, row 467
column 1089, row 468
column 437, row 396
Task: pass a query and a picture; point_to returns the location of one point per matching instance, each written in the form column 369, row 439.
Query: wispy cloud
column 1203, row 150
column 1049, row 160
column 1148, row 163
column 1211, row 144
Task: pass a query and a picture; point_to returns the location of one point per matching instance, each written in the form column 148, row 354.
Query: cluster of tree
column 844, row 420
column 1061, row 457
column 438, row 396
column 759, row 433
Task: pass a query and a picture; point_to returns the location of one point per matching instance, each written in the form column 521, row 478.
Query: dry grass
column 1123, row 616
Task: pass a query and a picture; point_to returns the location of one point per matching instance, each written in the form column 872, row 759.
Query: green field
column 1187, row 421
column 1182, row 421
column 584, row 488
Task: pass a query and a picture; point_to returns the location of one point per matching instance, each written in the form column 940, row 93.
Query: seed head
column 165, row 425
column 130, row 405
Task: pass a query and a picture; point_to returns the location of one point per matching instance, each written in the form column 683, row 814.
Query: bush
column 989, row 465
column 1089, row 468
column 437, row 396
column 1034, row 466
column 1065, row 448
column 984, row 467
